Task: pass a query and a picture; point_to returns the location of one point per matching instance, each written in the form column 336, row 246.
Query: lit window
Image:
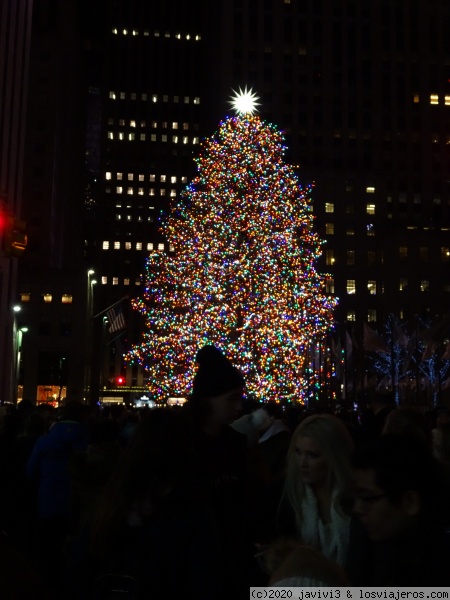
column 173, row 179
column 127, row 245
column 132, row 123
column 351, row 286
column 195, row 140
column 173, row 193
column 370, row 229
column 371, row 315
column 370, row 189
column 350, row 231
column 175, row 139
column 114, row 30
column 160, row 246
column 119, row 176
column 154, row 98
column 118, row 217
column 176, row 99
column 329, row 257
column 329, row 285
column 135, row 32
column 138, row 245
column 351, row 315
column 165, row 98
column 329, row 207
column 162, row 192
column 447, row 100
column 116, row 245
column 184, row 180
column 104, row 280
column 122, row 95
column 130, row 177
column 196, row 100
column 125, row 31
column 143, row 123
column 188, row 37
column 128, row 217
column 178, row 36
column 115, row 281
column 112, row 95
column 47, row 297
column 416, row 99
column 198, row 38
column 403, row 253
column 137, row 281
column 121, row 135
column 141, row 191
column 350, row 257
column 372, row 287
column 186, row 99
column 119, row 189
column 403, row 284
column 25, row 297
column 67, row 298
column 130, row 191
column 434, row 99
column 329, row 228
column 445, row 254
column 164, row 138
column 142, row 137
column 185, row 126
column 133, row 96
column 108, row 175
column 153, row 137
column 122, row 122
column 151, row 192
column 141, row 178
column 156, row 34
column 150, row 246
column 174, row 125
column 105, row 245
column 110, row 135
column 185, row 140
column 171, row 248
column 370, row 209
column 126, row 281
column 131, row 137
column 424, row 285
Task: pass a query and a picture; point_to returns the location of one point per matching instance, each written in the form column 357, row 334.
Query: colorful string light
column 242, row 272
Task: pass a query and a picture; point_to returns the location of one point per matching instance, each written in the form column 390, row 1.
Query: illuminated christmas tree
column 241, row 275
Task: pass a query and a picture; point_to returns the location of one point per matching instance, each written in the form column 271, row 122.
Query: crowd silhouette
column 205, row 500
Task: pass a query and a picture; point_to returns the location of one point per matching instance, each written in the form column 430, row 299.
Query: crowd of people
column 205, row 500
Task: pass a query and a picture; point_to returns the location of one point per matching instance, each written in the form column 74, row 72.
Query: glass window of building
column 445, row 254
column 371, row 257
column 137, row 281
column 424, row 285
column 116, row 245
column 329, row 257
column 329, row 285
column 370, row 209
column 350, row 257
column 372, row 287
column 115, row 281
column 160, row 246
column 403, row 284
column 108, row 175
column 142, row 137
column 370, row 189
column 66, row 299
column 329, row 207
column 150, row 246
column 47, row 298
column 371, row 315
column 351, row 286
column 350, row 230
column 105, row 245
column 403, row 253
column 104, row 280
column 351, row 315
column 25, row 297
column 423, row 254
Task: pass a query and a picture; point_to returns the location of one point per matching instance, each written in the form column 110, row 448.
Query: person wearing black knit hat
column 219, row 459
column 217, row 390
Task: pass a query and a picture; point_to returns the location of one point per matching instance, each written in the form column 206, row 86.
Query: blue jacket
column 49, row 465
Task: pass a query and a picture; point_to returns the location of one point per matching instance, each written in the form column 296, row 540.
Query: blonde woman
column 318, row 485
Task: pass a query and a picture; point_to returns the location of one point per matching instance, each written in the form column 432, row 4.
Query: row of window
column 137, row 245
column 371, row 286
column 330, row 258
column 141, row 177
column 115, row 280
column 152, row 97
column 154, row 124
column 140, row 191
column 370, row 208
column 142, row 137
column 146, row 33
column 65, row 298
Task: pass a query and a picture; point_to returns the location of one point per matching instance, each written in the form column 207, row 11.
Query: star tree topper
column 244, row 101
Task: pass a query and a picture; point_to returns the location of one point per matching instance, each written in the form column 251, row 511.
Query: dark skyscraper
column 361, row 89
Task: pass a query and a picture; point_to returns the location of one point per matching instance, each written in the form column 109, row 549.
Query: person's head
column 397, row 484
column 217, row 390
column 319, row 455
column 408, row 421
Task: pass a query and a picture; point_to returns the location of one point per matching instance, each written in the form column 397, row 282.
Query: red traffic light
column 120, row 380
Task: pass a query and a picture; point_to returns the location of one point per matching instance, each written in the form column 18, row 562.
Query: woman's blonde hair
column 336, row 446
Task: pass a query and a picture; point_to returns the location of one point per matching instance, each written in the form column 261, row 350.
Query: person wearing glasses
column 401, row 540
